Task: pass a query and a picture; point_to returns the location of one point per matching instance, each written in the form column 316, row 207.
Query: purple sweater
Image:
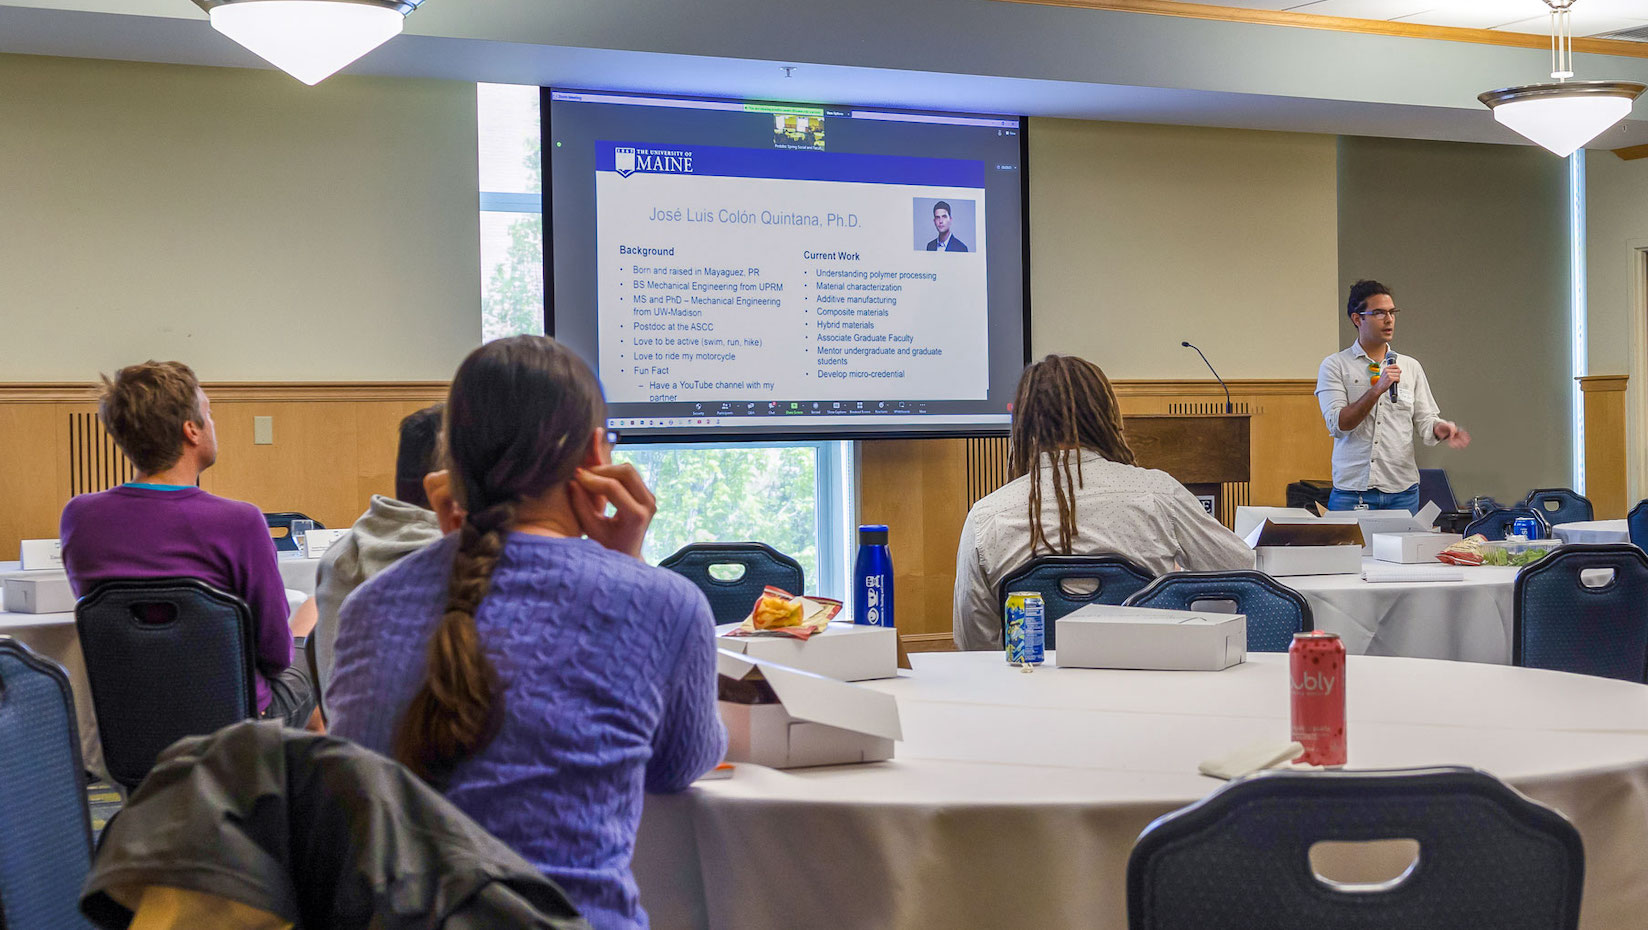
column 138, row 532
column 608, row 670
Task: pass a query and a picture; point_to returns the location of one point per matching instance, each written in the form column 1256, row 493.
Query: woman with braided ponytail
column 529, row 664
column 1076, row 491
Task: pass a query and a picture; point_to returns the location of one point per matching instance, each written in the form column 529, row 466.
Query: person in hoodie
column 391, row 528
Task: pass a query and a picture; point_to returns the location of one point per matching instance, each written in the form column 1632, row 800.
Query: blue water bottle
column 874, row 577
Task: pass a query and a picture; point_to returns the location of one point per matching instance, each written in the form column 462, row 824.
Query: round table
column 1593, row 531
column 1468, row 619
column 1015, row 798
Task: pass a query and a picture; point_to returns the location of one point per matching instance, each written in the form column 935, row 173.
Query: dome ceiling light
column 309, row 39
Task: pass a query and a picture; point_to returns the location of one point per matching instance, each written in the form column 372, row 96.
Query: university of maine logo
column 623, row 161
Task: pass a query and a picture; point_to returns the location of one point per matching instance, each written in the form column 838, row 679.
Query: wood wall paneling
column 1605, row 450
column 334, row 448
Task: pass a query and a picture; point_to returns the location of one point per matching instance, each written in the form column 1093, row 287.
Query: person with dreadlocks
column 1075, row 490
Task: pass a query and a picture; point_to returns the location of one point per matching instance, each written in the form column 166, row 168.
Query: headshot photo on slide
column 944, row 224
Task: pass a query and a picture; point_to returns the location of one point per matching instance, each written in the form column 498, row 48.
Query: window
column 512, row 210
column 795, row 497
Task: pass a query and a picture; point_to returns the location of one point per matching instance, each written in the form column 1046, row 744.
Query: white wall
column 236, row 220
column 1143, row 236
column 1616, row 233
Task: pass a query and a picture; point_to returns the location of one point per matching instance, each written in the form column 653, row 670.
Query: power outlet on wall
column 263, row 431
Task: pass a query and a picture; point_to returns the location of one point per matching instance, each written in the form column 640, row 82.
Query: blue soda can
column 1026, row 628
column 1526, row 527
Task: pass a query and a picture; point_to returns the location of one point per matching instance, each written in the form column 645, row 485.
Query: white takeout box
column 44, row 593
column 1411, row 547
column 1307, row 547
column 1250, row 518
column 818, row 720
column 844, row 651
column 1393, row 521
column 1101, row 636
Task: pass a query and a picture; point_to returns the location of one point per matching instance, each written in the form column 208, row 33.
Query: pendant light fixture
column 1564, row 115
column 309, row 39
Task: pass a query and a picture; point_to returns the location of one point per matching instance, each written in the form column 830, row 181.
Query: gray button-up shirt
column 1378, row 454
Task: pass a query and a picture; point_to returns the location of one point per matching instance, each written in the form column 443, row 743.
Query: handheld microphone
column 1390, row 359
column 1229, row 408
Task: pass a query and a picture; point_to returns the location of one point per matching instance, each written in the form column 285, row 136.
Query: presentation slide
column 788, row 286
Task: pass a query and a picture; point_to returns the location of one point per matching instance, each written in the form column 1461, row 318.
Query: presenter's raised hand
column 1452, row 433
column 633, row 506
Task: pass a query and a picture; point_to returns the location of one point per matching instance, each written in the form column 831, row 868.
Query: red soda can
column 1316, row 675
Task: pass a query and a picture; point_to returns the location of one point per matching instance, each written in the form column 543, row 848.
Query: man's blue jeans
column 1376, row 500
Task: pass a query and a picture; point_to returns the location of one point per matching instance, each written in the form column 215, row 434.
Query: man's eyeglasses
column 1380, row 314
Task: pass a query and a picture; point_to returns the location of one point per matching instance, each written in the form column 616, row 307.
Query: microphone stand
column 1229, row 408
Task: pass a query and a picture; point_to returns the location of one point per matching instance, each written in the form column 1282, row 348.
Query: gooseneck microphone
column 1229, row 408
column 1390, row 359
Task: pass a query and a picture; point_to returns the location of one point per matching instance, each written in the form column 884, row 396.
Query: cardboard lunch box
column 844, row 651
column 803, row 719
column 1102, row 636
column 1307, row 547
column 1411, row 547
column 37, row 593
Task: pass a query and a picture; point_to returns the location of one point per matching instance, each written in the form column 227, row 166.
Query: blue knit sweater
column 608, row 668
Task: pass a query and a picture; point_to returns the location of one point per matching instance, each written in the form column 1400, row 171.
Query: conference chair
column 1559, row 505
column 1274, row 611
column 1497, row 523
column 285, row 542
column 1637, row 523
column 1580, row 609
column 1069, row 582
column 167, row 658
column 732, row 575
column 45, row 828
column 1241, row 857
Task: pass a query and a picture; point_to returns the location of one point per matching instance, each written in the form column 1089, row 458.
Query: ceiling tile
column 1364, row 9
column 1250, row 4
column 1584, row 24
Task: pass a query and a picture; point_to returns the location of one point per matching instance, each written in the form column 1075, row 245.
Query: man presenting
column 941, row 222
column 1374, row 402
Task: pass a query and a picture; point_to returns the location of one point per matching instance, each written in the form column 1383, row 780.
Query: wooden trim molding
column 1378, row 27
column 1602, row 383
column 243, row 391
column 1246, row 388
column 1632, row 152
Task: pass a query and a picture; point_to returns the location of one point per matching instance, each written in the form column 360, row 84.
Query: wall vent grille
column 95, row 462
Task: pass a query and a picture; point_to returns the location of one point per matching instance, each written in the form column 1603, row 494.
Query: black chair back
column 1562, row 622
column 167, row 658
column 1559, row 505
column 286, row 542
column 1434, row 487
column 1274, row 611
column 1497, row 523
column 1239, row 859
column 1637, row 523
column 747, row 568
column 1070, row 582
column 45, row 828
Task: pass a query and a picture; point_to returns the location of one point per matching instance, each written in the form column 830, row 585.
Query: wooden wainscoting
column 334, row 447
column 1605, row 449
column 922, row 488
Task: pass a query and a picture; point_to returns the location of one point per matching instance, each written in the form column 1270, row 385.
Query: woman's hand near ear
column 591, row 489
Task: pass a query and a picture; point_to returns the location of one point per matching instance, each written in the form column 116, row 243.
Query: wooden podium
column 1204, row 451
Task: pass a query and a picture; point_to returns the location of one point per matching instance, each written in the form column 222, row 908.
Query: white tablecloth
column 1593, row 531
column 1469, row 619
column 1015, row 798
column 298, row 572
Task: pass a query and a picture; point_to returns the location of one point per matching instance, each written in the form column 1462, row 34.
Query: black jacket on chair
column 317, row 831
